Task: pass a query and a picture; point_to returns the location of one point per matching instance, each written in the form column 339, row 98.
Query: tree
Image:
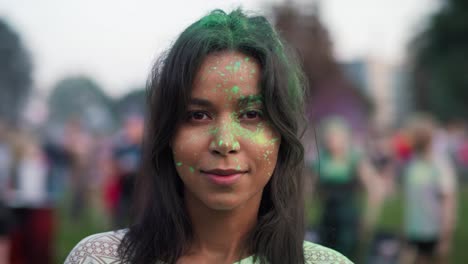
column 80, row 97
column 331, row 93
column 440, row 63
column 133, row 102
column 15, row 74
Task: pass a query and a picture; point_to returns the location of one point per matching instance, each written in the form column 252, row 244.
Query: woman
column 222, row 172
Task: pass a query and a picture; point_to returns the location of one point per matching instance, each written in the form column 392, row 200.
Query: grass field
column 73, row 230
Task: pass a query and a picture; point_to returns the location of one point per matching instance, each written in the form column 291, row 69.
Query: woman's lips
column 223, row 177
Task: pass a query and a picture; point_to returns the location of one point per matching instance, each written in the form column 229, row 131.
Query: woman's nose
column 224, row 139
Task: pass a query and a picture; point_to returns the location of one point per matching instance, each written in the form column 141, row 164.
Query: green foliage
column 441, row 63
column 132, row 102
column 80, row 97
column 15, row 73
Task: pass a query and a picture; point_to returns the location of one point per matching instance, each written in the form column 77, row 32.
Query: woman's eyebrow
column 200, row 102
column 244, row 101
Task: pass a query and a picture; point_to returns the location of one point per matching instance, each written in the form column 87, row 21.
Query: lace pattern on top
column 102, row 249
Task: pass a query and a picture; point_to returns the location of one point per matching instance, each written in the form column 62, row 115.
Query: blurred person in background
column 31, row 202
column 340, row 171
column 78, row 143
column 5, row 215
column 430, row 197
column 127, row 156
column 58, row 162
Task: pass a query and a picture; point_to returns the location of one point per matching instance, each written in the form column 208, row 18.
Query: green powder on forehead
column 235, row 89
column 237, row 66
column 192, row 170
column 179, row 164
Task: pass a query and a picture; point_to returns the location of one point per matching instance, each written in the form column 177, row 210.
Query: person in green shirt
column 221, row 180
column 340, row 173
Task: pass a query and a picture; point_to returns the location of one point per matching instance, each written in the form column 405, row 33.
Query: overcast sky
column 115, row 41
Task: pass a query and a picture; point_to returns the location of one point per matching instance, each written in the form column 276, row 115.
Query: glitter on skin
column 235, row 89
column 235, row 145
column 237, row 66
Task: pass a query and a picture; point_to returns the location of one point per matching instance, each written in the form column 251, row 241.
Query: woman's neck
column 220, row 235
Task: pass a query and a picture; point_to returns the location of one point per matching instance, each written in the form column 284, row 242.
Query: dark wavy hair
column 162, row 229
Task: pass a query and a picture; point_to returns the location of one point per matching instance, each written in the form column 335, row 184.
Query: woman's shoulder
column 97, row 249
column 317, row 254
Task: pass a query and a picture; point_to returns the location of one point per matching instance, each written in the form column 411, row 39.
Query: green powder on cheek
column 213, row 131
column 259, row 138
column 179, row 164
column 192, row 170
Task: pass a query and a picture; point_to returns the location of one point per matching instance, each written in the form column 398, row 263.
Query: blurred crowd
column 353, row 177
column 38, row 174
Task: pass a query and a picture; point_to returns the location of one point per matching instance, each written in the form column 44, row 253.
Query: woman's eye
column 251, row 115
column 197, row 116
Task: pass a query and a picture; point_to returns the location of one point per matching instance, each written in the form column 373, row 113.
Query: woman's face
column 224, row 150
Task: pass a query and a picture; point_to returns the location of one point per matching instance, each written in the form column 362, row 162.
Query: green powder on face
column 192, row 170
column 238, row 167
column 179, row 164
column 246, row 59
column 235, row 89
column 237, row 66
column 267, row 154
column 236, row 145
column 220, row 143
column 229, row 68
column 213, row 131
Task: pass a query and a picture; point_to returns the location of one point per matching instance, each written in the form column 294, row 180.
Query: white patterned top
column 102, row 249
